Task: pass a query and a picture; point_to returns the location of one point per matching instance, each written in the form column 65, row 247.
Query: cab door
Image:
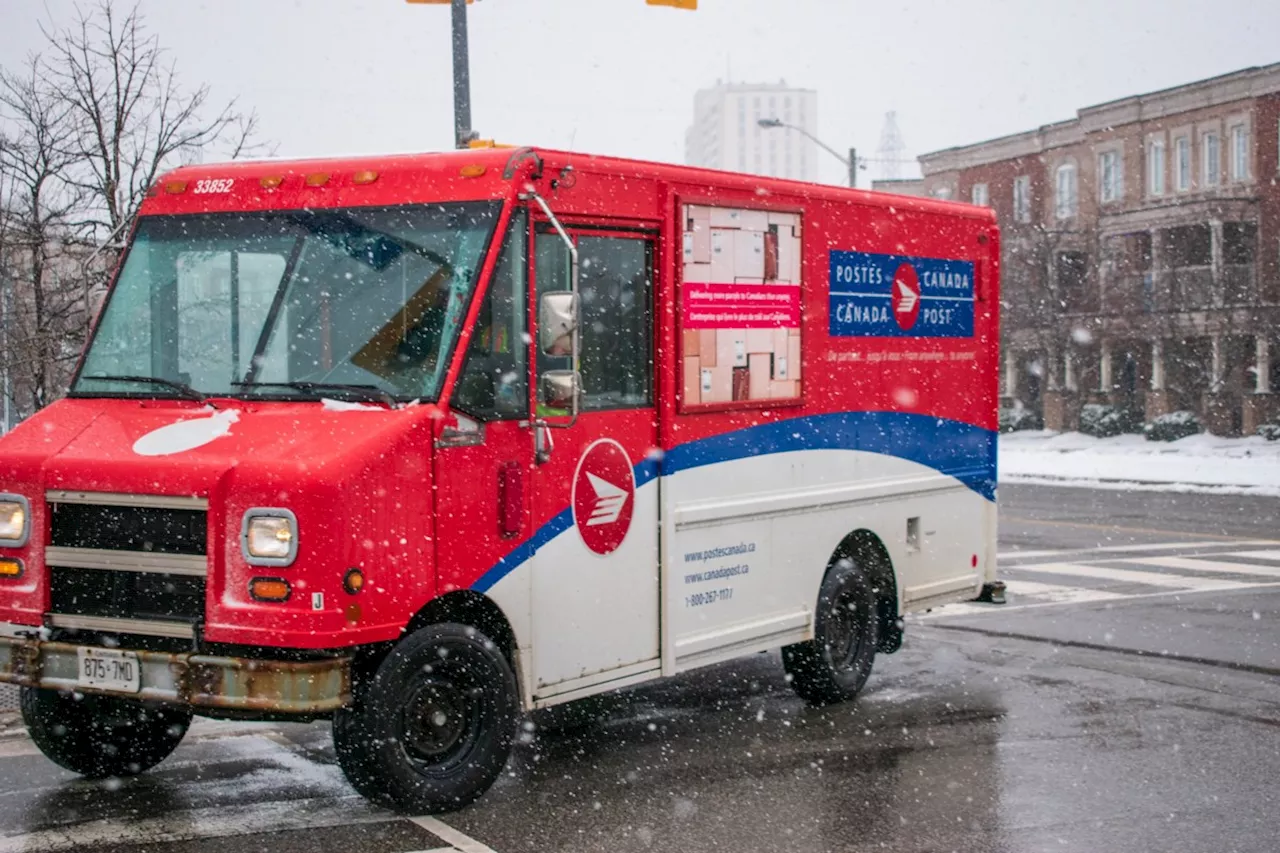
column 594, row 485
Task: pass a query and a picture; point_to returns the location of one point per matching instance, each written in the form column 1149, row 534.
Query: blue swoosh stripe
column 959, row 450
column 644, row 471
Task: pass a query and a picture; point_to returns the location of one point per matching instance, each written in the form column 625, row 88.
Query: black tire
column 835, row 665
column 99, row 736
column 434, row 727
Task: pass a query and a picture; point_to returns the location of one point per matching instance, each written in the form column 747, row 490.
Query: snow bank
column 1197, row 463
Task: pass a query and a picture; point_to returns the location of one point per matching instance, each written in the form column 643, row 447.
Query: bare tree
column 39, row 208
column 86, row 128
column 130, row 115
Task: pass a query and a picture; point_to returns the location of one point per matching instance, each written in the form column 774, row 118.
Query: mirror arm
column 530, row 192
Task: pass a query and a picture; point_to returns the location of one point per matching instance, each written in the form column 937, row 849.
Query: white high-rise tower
column 891, row 154
column 726, row 132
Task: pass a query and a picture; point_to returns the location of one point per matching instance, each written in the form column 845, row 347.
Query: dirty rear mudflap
column 269, row 687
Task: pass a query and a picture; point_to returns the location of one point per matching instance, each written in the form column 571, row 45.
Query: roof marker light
column 317, row 179
column 364, row 176
column 175, row 187
column 473, row 170
column 270, row 182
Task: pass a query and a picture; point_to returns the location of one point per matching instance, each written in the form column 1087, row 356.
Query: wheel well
column 469, row 608
column 864, row 549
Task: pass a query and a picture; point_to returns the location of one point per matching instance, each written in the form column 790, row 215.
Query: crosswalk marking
column 1052, row 592
column 1110, row 573
column 1202, row 565
column 1127, row 576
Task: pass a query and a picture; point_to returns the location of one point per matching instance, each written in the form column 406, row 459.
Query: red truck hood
column 180, row 448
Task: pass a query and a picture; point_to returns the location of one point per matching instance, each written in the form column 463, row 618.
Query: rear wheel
column 100, row 736
column 835, row 664
column 434, row 727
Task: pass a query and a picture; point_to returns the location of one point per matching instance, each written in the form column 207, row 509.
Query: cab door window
column 615, row 289
column 494, row 383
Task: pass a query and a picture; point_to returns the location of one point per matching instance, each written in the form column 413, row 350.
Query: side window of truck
column 494, row 384
column 615, row 288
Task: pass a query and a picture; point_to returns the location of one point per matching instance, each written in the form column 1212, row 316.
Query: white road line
column 1260, row 555
column 1198, row 565
column 1126, row 576
column 1015, row 555
column 461, row 842
column 1058, row 592
column 1158, row 546
column 1040, row 593
column 992, row 609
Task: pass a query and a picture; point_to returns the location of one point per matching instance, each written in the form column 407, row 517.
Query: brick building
column 1141, row 252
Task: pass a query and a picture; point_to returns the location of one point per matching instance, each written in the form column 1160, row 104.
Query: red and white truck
column 420, row 443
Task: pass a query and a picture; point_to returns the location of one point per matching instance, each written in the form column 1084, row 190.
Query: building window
column 1110, row 177
column 1182, row 163
column 978, row 194
column 1212, row 166
column 942, row 191
column 1065, row 198
column 1155, row 167
column 1239, row 153
column 1022, row 198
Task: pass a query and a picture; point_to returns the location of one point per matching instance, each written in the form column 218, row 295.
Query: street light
column 850, row 162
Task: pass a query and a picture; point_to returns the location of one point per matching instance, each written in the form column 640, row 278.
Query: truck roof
column 487, row 172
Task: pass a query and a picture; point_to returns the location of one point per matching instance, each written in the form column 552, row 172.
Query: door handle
column 543, row 444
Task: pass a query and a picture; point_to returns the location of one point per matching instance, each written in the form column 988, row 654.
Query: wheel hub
column 435, row 720
column 843, row 634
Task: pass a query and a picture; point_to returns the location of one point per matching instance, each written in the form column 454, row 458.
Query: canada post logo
column 896, row 296
column 603, row 498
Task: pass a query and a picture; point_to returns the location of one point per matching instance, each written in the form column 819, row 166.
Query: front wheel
column 99, row 736
column 835, row 664
column 434, row 727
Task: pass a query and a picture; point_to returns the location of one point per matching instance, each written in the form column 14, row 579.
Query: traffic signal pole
column 462, row 131
column 461, row 76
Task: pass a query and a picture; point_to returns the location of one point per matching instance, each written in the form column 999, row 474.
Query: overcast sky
column 618, row 76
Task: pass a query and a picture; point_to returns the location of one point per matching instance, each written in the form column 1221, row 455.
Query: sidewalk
column 1199, row 463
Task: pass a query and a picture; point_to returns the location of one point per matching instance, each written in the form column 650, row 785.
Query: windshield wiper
column 181, row 387
column 370, row 393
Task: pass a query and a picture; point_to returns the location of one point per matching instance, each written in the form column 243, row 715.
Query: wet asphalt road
column 1127, row 699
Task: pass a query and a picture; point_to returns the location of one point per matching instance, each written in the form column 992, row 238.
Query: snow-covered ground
column 1199, row 463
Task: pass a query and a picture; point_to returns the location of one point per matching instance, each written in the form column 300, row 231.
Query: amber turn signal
column 269, row 589
column 10, row 568
column 353, row 581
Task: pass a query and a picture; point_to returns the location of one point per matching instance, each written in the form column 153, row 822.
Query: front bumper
column 195, row 680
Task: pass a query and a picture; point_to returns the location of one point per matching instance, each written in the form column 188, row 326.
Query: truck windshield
column 302, row 303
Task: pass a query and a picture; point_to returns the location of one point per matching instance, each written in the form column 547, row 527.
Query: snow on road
column 1199, row 463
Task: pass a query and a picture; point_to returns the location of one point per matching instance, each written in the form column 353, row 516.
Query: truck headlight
column 269, row 537
column 15, row 520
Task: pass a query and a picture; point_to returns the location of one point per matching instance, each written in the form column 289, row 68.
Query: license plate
column 110, row 669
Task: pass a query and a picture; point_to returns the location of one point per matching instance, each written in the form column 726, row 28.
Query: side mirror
column 557, row 321
column 560, row 389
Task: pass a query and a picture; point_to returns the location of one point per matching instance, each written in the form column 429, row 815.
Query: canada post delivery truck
column 420, row 443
